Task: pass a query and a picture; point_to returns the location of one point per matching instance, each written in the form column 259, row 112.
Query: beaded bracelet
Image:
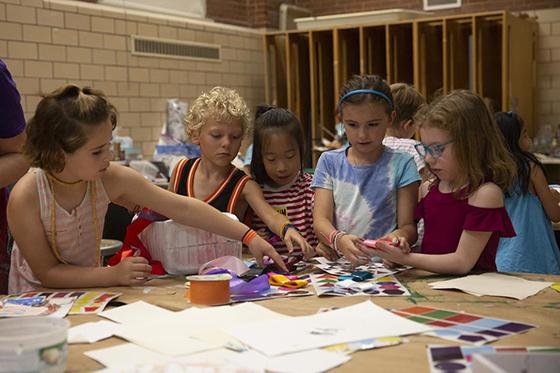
column 337, row 236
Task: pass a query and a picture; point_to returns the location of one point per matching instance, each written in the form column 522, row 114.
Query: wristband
column 285, row 228
column 248, row 236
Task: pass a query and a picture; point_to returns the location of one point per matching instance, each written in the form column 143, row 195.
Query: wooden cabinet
column 491, row 53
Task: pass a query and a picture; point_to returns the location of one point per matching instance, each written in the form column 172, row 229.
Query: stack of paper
column 495, row 284
column 357, row 322
column 175, row 338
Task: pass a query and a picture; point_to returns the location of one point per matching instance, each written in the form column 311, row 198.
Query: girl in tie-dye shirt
column 364, row 190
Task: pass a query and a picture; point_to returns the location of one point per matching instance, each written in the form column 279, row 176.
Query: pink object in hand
column 373, row 243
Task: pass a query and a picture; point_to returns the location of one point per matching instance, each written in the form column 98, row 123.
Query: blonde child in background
column 531, row 205
column 56, row 212
column 217, row 121
column 407, row 101
column 462, row 207
column 364, row 190
column 277, row 166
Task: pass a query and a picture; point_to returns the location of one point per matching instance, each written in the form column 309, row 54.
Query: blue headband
column 370, row 91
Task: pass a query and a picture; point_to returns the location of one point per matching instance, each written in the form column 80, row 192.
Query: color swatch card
column 343, row 267
column 463, row 327
column 86, row 302
column 459, row 358
column 327, row 284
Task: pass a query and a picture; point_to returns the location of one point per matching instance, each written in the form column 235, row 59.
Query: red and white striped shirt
column 295, row 201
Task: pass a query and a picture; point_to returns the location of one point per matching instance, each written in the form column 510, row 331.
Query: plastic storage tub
column 182, row 249
column 33, row 344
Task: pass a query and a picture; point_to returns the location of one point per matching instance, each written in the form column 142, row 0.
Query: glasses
column 435, row 150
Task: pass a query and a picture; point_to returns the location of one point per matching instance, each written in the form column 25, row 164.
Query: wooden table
column 542, row 310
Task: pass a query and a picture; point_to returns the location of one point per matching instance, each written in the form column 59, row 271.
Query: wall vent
column 166, row 48
column 441, row 4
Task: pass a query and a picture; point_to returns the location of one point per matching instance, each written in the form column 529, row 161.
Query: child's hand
column 293, row 238
column 133, row 270
column 389, row 252
column 260, row 248
column 353, row 249
column 326, row 251
column 399, row 241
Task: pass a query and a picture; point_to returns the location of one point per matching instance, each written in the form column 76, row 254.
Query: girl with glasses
column 531, row 204
column 462, row 206
column 364, row 190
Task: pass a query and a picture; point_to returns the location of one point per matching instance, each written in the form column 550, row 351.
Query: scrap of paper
column 495, row 284
column 463, row 327
column 137, row 312
column 92, row 332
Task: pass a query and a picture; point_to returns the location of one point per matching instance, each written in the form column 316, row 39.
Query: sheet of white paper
column 215, row 361
column 195, row 329
column 123, row 354
column 312, row 361
column 168, row 340
column 137, row 312
column 495, row 284
column 92, row 332
column 360, row 321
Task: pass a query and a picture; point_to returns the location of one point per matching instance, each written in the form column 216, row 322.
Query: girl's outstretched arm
column 547, row 197
column 24, row 218
column 125, row 184
column 274, row 220
column 470, row 247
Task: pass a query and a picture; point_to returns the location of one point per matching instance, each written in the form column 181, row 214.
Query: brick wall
column 264, row 13
column 50, row 43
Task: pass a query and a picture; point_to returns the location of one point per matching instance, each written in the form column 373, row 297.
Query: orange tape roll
column 209, row 290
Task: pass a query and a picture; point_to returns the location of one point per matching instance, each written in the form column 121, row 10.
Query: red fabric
column 445, row 218
column 133, row 246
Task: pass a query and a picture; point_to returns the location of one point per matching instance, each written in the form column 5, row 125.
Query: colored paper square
column 419, row 319
column 471, row 338
column 440, row 323
column 446, row 332
column 446, row 353
column 514, row 327
column 487, row 323
column 465, row 328
column 440, row 314
column 493, row 333
column 463, row 318
column 417, row 310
